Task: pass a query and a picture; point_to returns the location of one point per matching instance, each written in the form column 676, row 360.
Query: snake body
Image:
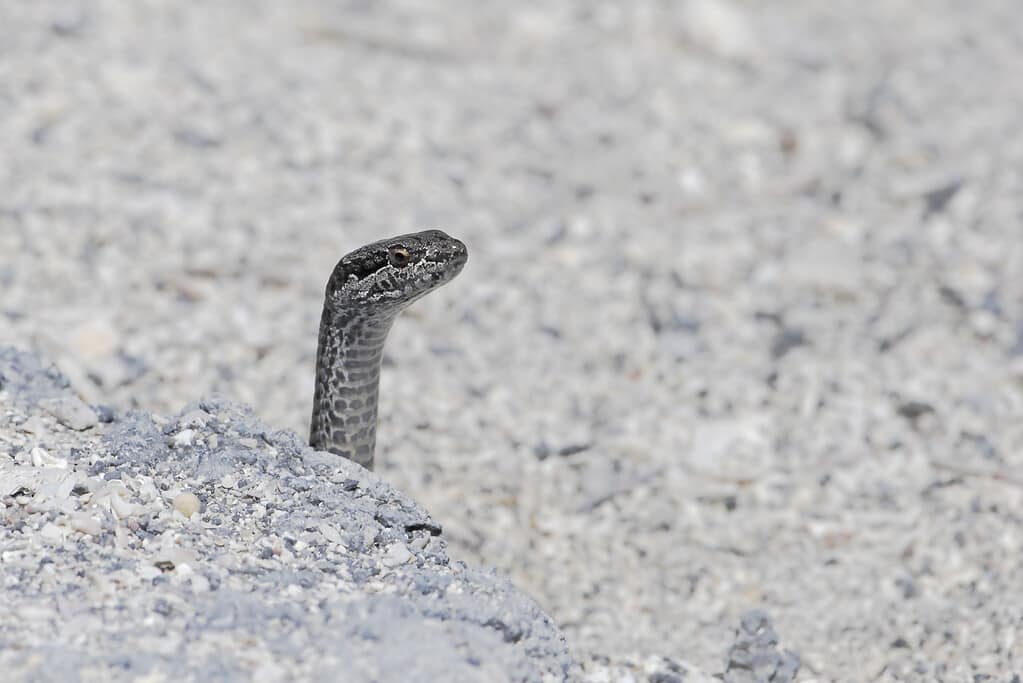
column 367, row 290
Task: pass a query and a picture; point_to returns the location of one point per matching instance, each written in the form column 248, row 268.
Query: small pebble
column 70, row 411
column 397, row 554
column 187, row 504
column 121, row 507
column 183, row 438
column 86, row 524
column 51, row 532
column 94, row 339
column 330, row 533
column 41, row 458
column 194, row 418
column 33, row 425
column 718, row 27
column 105, row 414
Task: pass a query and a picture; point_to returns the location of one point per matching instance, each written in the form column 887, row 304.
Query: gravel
column 742, row 325
column 279, row 562
column 754, row 656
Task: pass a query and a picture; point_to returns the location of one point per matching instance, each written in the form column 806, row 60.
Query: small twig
column 996, row 475
column 596, row 501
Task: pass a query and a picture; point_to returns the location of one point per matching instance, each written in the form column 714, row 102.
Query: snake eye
column 398, row 257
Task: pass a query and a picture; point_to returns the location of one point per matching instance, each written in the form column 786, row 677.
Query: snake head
column 386, row 276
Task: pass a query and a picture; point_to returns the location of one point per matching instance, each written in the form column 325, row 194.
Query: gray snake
column 367, row 290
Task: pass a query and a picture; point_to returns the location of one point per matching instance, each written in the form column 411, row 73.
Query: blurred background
column 742, row 323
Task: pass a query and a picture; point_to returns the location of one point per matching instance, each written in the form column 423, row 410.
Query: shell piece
column 187, row 504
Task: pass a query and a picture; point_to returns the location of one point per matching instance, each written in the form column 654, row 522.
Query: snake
column 367, row 290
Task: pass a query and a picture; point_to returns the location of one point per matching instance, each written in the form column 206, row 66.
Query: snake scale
column 367, row 290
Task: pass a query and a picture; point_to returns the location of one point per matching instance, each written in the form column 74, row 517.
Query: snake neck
column 348, row 358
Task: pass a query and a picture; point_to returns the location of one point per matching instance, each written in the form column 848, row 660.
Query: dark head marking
column 393, row 273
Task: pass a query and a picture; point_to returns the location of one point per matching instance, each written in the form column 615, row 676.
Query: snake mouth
column 444, row 260
column 436, row 273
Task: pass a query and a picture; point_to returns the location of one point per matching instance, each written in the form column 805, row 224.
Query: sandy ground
column 742, row 324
